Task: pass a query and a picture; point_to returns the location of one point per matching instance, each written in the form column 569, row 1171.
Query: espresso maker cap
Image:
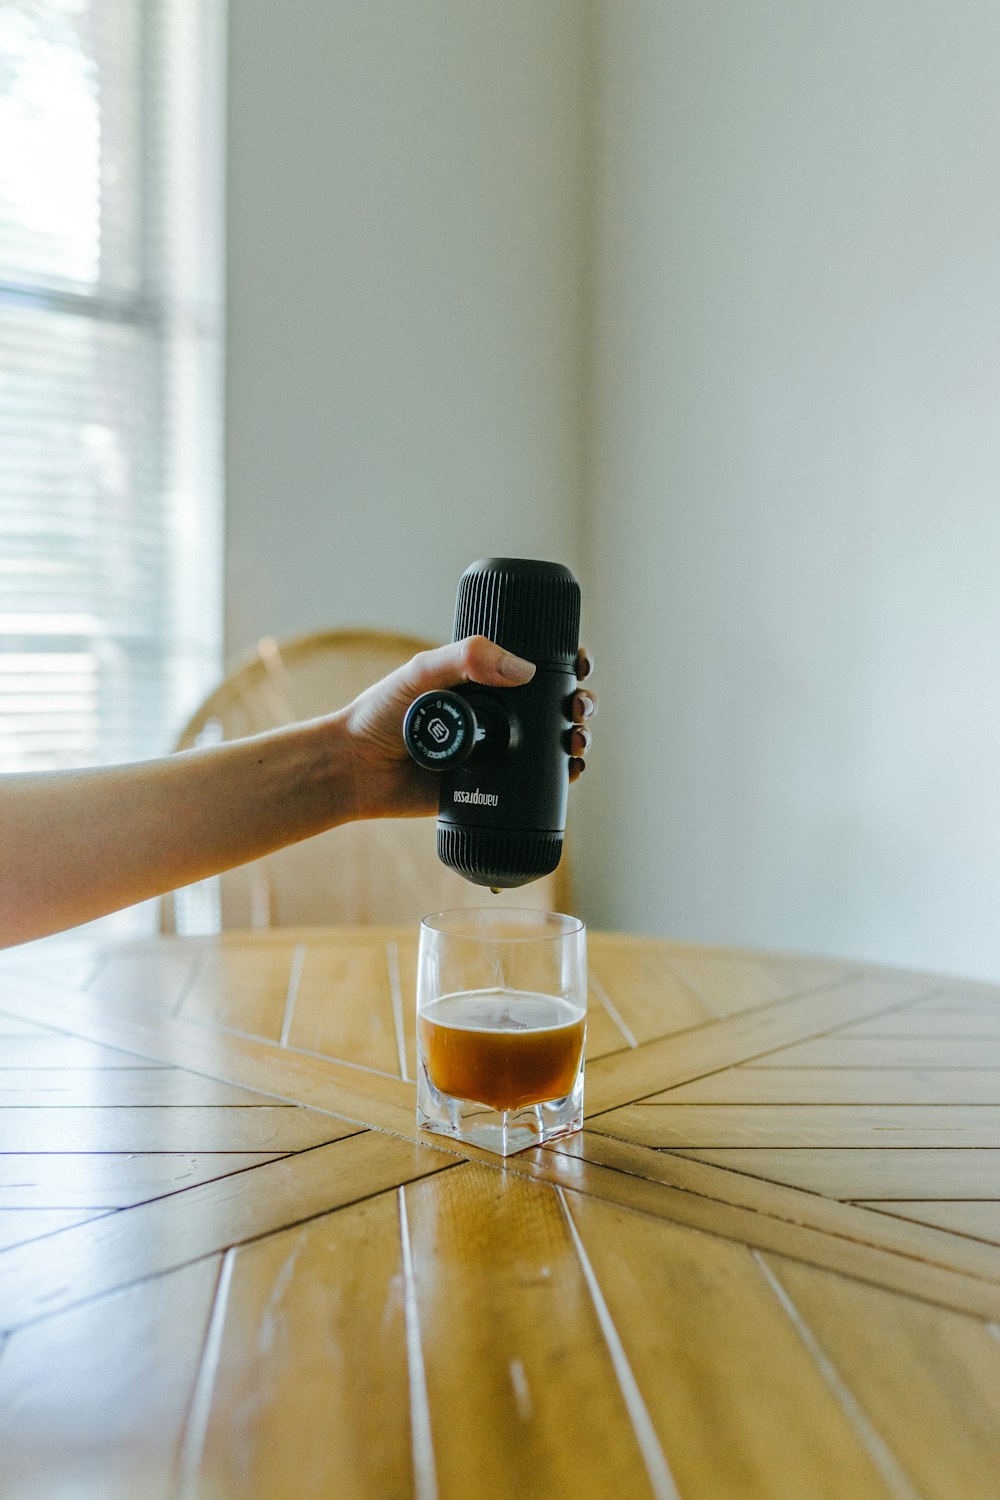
column 529, row 607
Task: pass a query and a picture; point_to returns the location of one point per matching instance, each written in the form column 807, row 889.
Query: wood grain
column 354, row 1094
column 929, row 1381
column 158, row 1236
column 694, row 1316
column 838, row 1221
column 768, row 1267
column 19, row 1225
column 944, row 1024
column 958, row 1000
column 298, row 1405
column 759, row 1085
column 242, row 986
column 511, row 1347
column 63, row 959
column 40, row 1088
column 54, row 1051
column 93, row 1402
column 887, row 1053
column 158, row 976
column 402, row 954
column 669, row 1126
column 734, row 981
column 690, row 1054
column 643, row 987
column 920, row 1261
column 872, row 1173
column 343, row 1004
column 978, row 1219
column 604, row 1034
column 178, row 1128
column 111, row 1179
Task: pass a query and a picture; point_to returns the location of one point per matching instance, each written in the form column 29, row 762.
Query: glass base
column 504, row 1132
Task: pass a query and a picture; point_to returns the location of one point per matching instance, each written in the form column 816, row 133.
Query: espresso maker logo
column 482, row 799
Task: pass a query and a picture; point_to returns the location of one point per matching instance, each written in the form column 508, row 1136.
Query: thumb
column 474, row 659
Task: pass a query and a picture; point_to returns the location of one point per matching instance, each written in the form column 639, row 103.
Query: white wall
column 763, row 421
column 405, row 236
column 795, row 526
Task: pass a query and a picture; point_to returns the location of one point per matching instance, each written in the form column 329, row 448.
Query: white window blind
column 111, row 144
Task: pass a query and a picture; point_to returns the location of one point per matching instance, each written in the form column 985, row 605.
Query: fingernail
column 515, row 668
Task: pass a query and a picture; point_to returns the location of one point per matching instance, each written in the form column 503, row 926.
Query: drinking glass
column 501, row 1026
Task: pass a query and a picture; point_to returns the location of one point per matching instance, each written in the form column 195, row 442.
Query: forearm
column 75, row 845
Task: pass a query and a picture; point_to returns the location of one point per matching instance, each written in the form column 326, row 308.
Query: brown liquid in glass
column 501, row 1049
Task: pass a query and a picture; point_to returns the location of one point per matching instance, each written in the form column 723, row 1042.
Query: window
column 111, row 130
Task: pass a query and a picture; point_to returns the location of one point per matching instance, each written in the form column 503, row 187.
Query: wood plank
column 64, row 960
column 157, row 976
column 40, row 1087
column 344, row 1007
column 178, row 1128
column 604, row 1034
column 296, row 1077
column 959, row 1001
column 690, row 1054
column 643, row 987
column 694, row 1314
column 310, row 1398
column 886, row 1052
column 906, row 1257
column 731, row 981
column 285, row 1298
column 242, row 985
column 94, row 1402
column 56, row 1050
column 669, row 1126
column 512, row 1349
column 15, row 1026
column 875, row 1173
column 19, row 1225
column 928, row 1380
column 978, row 1218
column 754, row 1085
column 158, row 1236
column 937, row 1024
column 402, row 952
column 83, row 1180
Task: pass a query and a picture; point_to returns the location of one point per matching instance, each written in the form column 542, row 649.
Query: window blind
column 111, row 145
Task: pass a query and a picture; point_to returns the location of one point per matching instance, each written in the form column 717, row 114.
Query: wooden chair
column 379, row 871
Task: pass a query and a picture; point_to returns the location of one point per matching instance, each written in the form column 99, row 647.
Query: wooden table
column 770, row 1266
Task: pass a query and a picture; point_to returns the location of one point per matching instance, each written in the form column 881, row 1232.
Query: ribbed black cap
column 531, row 608
column 498, row 856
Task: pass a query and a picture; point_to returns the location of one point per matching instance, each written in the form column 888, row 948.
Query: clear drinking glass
column 501, row 1026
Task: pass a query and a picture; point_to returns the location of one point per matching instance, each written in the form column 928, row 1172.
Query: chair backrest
column 378, row 871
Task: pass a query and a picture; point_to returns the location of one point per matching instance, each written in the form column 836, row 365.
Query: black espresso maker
column 502, row 752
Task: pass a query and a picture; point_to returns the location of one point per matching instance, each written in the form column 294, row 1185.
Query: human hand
column 386, row 782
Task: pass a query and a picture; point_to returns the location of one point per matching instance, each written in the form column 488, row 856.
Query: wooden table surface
column 770, row 1266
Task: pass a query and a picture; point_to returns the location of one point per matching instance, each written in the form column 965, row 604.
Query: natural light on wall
column 111, row 144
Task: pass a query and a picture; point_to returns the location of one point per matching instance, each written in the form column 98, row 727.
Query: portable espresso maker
column 501, row 752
